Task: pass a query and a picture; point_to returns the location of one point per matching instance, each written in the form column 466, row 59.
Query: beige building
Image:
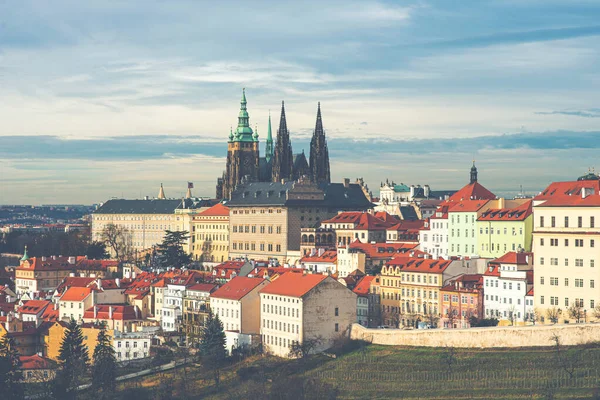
column 237, row 304
column 566, row 237
column 302, row 307
column 210, row 234
column 266, row 219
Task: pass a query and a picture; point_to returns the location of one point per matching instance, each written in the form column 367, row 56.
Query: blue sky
column 110, row 98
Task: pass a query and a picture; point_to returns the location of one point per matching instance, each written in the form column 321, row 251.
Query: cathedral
column 279, row 163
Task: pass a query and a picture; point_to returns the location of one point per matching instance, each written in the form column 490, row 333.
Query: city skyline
column 97, row 105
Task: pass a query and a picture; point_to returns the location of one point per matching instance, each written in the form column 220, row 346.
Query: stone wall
column 519, row 336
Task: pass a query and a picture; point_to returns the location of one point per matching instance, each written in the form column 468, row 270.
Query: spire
column 188, row 194
column 161, row 193
column 282, row 121
column 319, row 124
column 319, row 153
column 282, row 155
column 244, row 133
column 269, row 147
column 25, row 256
column 473, row 173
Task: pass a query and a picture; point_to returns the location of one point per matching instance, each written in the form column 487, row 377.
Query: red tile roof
column 566, row 190
column 530, row 292
column 364, row 285
column 329, row 256
column 218, row 210
column 467, row 206
column 363, row 220
column 50, row 314
column 407, row 225
column 519, row 213
column 36, row 362
column 121, row 313
column 76, row 294
column 472, row 191
column 423, row 265
column 202, row 287
column 514, row 258
column 237, row 288
column 492, row 270
column 33, row 306
column 294, row 285
column 382, row 250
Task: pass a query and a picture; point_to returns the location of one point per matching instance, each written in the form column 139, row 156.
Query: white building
column 173, row 296
column 433, row 238
column 131, row 346
column 507, row 282
column 302, row 307
column 320, row 261
column 349, row 261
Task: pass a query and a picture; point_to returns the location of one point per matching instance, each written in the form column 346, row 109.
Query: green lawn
column 385, row 372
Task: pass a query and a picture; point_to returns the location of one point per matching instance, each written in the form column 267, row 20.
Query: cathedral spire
column 319, row 153
column 473, row 173
column 269, row 146
column 282, row 155
column 161, row 193
column 319, row 124
column 244, row 133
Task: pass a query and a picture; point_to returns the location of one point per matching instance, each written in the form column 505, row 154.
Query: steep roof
column 364, row 285
column 218, row 210
column 423, row 265
column 36, row 362
column 202, row 287
column 468, row 206
column 363, row 220
column 237, row 288
column 519, row 213
column 513, row 257
column 382, row 250
column 327, row 256
column 33, row 306
column 123, row 206
column 76, row 294
column 293, row 285
column 121, row 313
column 566, row 190
column 472, row 191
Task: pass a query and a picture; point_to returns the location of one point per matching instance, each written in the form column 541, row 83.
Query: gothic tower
column 473, row 174
column 319, row 154
column 269, row 147
column 242, row 154
column 282, row 158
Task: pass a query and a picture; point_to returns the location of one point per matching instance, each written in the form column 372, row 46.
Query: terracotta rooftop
column 567, row 190
column 519, row 213
column 364, row 285
column 76, row 294
column 293, row 285
column 514, row 258
column 36, row 362
column 424, row 265
column 119, row 312
column 33, row 306
column 202, row 287
column 327, row 256
column 472, row 191
column 382, row 250
column 467, row 206
column 218, row 210
column 237, row 288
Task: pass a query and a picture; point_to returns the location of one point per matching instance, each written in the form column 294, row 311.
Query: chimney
column 44, row 258
column 55, row 306
column 72, row 274
column 95, row 311
column 54, row 257
column 501, row 202
column 586, row 191
column 304, row 272
column 110, row 312
column 133, row 274
column 71, row 260
column 346, row 182
column 118, row 282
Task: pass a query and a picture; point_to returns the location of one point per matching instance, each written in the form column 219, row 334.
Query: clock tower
column 242, row 154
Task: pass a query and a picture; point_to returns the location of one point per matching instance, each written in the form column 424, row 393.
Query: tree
column 596, row 311
column 451, row 316
column 119, row 240
column 74, row 359
column 96, row 250
column 553, row 314
column 568, row 360
column 10, row 375
column 512, row 314
column 104, row 370
column 212, row 346
column 170, row 252
column 449, row 358
column 304, row 349
column 576, row 312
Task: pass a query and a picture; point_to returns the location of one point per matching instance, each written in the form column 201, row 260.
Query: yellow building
column 210, row 234
column 52, row 339
column 566, row 237
column 410, row 289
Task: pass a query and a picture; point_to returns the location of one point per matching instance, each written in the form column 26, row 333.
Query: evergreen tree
column 170, row 252
column 74, row 360
column 10, row 375
column 104, row 370
column 212, row 347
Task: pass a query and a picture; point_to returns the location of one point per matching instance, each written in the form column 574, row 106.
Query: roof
column 364, row 285
column 237, row 288
column 530, row 292
column 218, row 210
column 513, row 257
column 566, row 191
column 467, row 206
column 363, row 220
column 47, row 263
column 381, row 250
column 293, row 285
column 76, row 294
column 119, row 312
column 519, row 213
column 472, row 191
column 202, row 287
column 329, row 256
column 407, row 225
column 36, row 362
column 154, row 206
column 33, row 306
column 423, row 265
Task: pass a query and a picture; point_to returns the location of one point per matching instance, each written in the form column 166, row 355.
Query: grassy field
column 384, row 372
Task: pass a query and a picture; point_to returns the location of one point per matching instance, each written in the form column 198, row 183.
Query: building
column 321, row 262
column 196, row 306
column 74, row 302
column 131, row 345
column 237, row 304
column 228, row 270
column 505, row 229
column 314, row 239
column 52, row 338
column 565, row 234
column 507, row 282
column 367, row 302
column 370, row 257
column 433, row 237
column 266, row 218
column 210, row 234
column 280, row 163
column 463, row 217
column 124, row 318
column 37, row 369
column 365, row 227
column 461, row 301
column 410, row 289
column 304, row 307
column 173, row 298
column 33, row 310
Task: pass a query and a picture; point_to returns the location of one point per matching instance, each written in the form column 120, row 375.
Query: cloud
column 588, row 113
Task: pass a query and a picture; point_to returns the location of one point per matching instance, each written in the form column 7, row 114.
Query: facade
column 52, row 338
column 266, row 218
column 173, row 298
column 303, row 307
column 462, row 218
column 123, row 318
column 461, row 299
column 196, row 305
column 367, row 302
column 505, row 229
column 507, row 282
column 370, row 257
column 320, row 262
column 237, row 303
column 74, row 302
column 365, row 227
column 131, row 345
column 210, row 234
column 433, row 237
column 566, row 234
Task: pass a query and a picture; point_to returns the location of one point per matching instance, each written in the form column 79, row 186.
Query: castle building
column 244, row 163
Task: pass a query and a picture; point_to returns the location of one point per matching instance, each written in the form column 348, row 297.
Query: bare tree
column 304, row 349
column 449, row 358
column 512, row 311
column 596, row 311
column 451, row 315
column 568, row 360
column 119, row 240
column 553, row 314
column 576, row 311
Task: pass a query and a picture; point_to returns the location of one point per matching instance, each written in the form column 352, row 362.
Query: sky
column 102, row 99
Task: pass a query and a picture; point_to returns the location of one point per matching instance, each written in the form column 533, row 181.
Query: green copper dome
column 243, row 132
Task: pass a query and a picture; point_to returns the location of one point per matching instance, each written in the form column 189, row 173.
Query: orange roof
column 120, row 313
column 519, row 213
column 423, row 265
column 50, row 314
column 530, row 293
column 567, row 190
column 364, row 285
column 76, row 294
column 33, row 306
column 382, row 250
column 329, row 256
column 513, row 257
column 363, row 220
column 218, row 210
column 237, row 288
column 468, row 206
column 203, row 287
column 293, row 285
column 472, row 191
column 36, row 362
column 407, row 225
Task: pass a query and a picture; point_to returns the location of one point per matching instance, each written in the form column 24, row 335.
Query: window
column 541, row 260
column 592, row 243
column 579, row 262
column 554, row 281
column 566, row 222
column 542, row 221
column 541, row 299
column 579, row 222
column 566, row 262
column 591, row 283
column 541, row 280
column 566, row 242
column 337, row 312
column 579, row 283
column 566, row 302
column 592, row 224
column 578, row 242
column 553, row 222
column 541, row 241
column 337, row 327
